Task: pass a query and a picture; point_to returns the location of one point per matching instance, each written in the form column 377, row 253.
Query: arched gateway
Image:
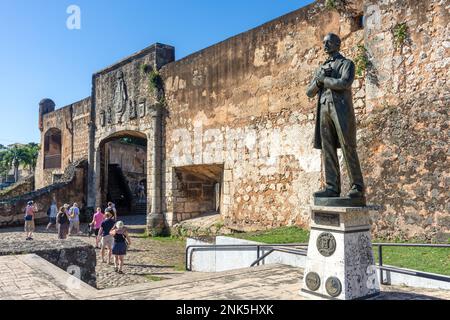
column 125, row 136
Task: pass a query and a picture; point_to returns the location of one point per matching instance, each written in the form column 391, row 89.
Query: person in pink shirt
column 97, row 223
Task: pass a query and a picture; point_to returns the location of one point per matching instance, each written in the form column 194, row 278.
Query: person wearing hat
column 30, row 210
column 119, row 249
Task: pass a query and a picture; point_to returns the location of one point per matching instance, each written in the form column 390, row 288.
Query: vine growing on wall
column 155, row 83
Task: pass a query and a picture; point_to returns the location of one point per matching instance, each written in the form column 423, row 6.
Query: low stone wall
column 24, row 186
column 73, row 255
column 71, row 188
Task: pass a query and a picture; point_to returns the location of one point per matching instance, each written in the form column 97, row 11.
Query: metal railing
column 278, row 247
column 287, row 248
column 382, row 268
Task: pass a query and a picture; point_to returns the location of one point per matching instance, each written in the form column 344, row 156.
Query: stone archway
column 122, row 165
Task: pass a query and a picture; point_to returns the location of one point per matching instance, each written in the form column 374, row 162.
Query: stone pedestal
column 340, row 262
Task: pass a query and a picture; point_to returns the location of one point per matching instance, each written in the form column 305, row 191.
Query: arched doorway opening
column 123, row 168
column 52, row 149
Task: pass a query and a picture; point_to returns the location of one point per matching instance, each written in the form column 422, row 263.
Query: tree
column 16, row 155
column 32, row 150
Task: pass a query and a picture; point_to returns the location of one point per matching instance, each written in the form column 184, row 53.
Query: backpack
column 62, row 218
column 49, row 211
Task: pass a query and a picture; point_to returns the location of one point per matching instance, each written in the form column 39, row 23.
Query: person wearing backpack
column 74, row 219
column 30, row 210
column 62, row 219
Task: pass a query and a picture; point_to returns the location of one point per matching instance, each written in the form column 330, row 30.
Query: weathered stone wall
column 242, row 103
column 404, row 138
column 74, row 256
column 124, row 102
column 73, row 122
column 71, row 188
column 132, row 159
column 194, row 196
column 24, row 186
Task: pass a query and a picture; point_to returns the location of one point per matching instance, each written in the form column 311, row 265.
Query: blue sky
column 41, row 58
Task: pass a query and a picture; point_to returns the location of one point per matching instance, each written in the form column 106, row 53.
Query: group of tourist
column 110, row 233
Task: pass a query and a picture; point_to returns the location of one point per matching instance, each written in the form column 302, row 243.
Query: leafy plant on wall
column 400, row 34
column 330, row 4
column 155, row 83
column 361, row 60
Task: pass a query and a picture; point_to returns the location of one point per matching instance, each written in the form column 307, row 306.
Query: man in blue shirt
column 104, row 232
column 74, row 219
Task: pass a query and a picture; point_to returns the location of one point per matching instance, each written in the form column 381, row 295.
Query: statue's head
column 119, row 75
column 331, row 43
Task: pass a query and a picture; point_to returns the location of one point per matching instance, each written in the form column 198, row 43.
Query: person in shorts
column 30, row 210
column 74, row 218
column 107, row 239
column 121, row 242
column 53, row 212
column 96, row 224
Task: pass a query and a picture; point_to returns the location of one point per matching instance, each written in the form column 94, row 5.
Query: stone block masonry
column 73, row 256
column 241, row 105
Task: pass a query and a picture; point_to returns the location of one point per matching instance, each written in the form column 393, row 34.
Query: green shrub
column 361, row 60
column 330, row 4
column 400, row 33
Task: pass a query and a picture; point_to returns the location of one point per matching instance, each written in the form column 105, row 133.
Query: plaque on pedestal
column 340, row 263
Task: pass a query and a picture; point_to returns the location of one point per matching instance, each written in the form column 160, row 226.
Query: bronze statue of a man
column 335, row 121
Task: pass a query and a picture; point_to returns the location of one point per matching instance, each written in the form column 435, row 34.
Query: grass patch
column 277, row 236
column 153, row 278
column 179, row 267
column 434, row 260
column 144, row 235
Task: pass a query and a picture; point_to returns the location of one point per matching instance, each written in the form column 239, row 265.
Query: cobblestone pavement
column 148, row 260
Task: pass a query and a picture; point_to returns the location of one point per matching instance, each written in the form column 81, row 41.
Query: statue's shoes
column 327, row 193
column 356, row 193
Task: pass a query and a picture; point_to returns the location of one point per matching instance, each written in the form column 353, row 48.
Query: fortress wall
column 242, row 103
column 404, row 140
column 73, row 122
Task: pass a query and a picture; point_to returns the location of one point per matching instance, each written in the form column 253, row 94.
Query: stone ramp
column 31, row 277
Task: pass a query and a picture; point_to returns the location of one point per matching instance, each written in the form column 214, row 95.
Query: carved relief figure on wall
column 120, row 96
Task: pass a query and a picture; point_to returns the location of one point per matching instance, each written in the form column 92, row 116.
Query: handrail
column 297, row 252
column 403, row 271
column 188, row 257
column 420, row 274
column 279, row 248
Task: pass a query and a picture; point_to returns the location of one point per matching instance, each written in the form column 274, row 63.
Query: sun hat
column 119, row 225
